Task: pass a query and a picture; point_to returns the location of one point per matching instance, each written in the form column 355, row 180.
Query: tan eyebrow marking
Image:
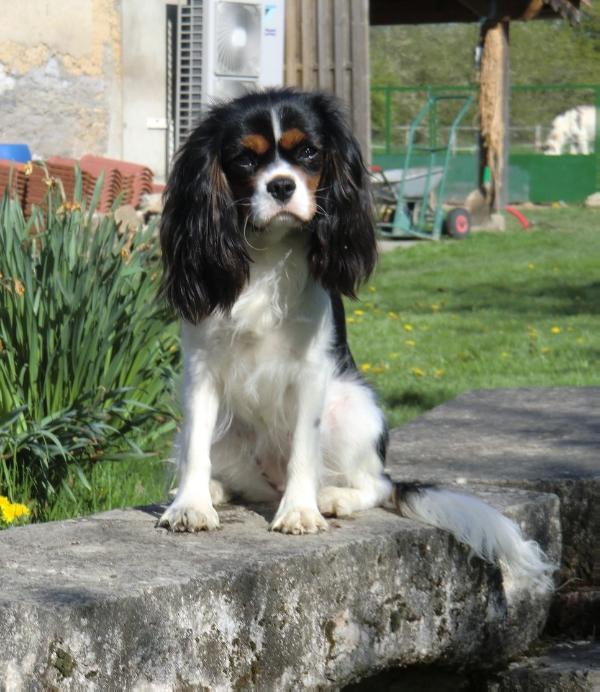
column 256, row 143
column 290, row 138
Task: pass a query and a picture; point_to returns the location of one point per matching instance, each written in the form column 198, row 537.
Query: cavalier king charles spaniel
column 267, row 223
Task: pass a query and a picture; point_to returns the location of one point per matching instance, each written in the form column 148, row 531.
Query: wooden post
column 494, row 115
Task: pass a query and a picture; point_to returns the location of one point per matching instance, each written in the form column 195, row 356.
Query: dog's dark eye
column 307, row 153
column 246, row 161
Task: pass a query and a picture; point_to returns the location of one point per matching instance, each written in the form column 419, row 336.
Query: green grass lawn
column 113, row 484
column 511, row 309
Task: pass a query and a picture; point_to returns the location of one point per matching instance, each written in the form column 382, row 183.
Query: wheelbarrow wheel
column 458, row 223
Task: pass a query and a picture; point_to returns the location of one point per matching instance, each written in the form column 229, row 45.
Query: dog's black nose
column 282, row 188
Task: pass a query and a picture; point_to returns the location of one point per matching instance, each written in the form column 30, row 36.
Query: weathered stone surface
column 566, row 667
column 543, row 439
column 112, row 602
column 570, row 666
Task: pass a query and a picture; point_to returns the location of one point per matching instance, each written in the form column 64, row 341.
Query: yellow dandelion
column 350, row 320
column 545, row 349
column 359, row 313
column 410, row 342
column 371, row 289
column 365, row 367
column 555, row 330
column 392, row 315
column 377, row 370
column 19, row 288
column 10, row 511
column 417, row 372
column 408, row 327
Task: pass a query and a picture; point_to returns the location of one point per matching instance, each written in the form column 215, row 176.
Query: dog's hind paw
column 181, row 517
column 339, row 502
column 300, row 520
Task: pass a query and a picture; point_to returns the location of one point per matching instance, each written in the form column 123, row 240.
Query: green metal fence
column 537, row 114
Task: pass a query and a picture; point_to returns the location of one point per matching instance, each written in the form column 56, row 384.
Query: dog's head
column 276, row 160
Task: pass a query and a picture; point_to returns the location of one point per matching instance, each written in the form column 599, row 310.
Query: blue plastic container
column 15, row 152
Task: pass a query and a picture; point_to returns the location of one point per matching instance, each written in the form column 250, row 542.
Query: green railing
column 533, row 175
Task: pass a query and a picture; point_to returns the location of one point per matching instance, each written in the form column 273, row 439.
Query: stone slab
column 545, row 439
column 565, row 667
column 111, row 602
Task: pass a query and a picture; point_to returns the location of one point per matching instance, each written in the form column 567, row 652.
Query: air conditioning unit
column 224, row 49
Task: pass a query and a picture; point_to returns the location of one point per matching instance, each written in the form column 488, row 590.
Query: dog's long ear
column 205, row 264
column 343, row 249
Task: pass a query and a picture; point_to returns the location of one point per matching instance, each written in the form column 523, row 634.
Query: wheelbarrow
column 410, row 200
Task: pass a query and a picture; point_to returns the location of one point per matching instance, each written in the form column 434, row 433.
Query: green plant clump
column 86, row 353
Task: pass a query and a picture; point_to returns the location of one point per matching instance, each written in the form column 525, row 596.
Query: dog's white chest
column 258, row 371
column 263, row 350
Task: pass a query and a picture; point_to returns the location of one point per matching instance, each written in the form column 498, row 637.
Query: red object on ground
column 521, row 218
column 130, row 180
column 13, row 179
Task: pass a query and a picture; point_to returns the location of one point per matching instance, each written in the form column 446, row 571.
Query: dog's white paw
column 182, row 516
column 299, row 520
column 338, row 502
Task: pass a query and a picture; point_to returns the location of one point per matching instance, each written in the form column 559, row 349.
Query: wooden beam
column 360, row 102
column 445, row 11
column 423, row 12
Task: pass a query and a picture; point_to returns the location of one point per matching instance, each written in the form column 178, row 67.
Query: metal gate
column 569, row 173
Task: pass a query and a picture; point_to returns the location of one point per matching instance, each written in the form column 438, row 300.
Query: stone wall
column 60, row 76
column 85, row 76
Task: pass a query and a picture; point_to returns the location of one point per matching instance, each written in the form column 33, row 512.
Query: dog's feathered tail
column 492, row 536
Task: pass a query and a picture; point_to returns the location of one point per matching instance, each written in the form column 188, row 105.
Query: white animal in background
column 574, row 130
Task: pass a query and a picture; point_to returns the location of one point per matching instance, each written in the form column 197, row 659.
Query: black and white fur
column 267, row 223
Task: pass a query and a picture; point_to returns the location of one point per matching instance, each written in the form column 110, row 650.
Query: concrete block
column 111, row 602
column 564, row 667
column 538, row 439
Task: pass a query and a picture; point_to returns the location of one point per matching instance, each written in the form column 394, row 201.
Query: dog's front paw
column 188, row 517
column 299, row 520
